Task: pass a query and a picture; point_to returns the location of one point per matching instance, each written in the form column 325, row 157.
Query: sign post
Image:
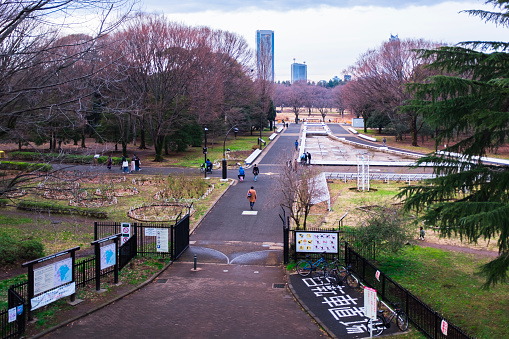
column 370, row 307
column 106, row 256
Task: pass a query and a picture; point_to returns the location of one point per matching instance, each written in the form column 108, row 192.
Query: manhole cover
column 161, row 281
column 278, row 285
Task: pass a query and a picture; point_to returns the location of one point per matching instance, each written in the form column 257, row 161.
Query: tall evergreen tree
column 469, row 106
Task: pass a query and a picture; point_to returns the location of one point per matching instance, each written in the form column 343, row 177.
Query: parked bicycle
column 305, row 267
column 382, row 322
column 336, row 275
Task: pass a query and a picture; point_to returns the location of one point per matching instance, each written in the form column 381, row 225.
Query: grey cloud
column 278, row 5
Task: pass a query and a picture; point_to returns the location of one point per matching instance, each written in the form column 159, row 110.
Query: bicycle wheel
column 304, row 268
column 402, row 321
column 378, row 327
column 352, row 281
column 332, row 280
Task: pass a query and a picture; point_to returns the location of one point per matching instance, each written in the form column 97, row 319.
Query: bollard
column 195, row 262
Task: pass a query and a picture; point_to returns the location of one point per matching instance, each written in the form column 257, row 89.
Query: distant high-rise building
column 394, row 38
column 299, row 72
column 265, row 54
column 347, row 77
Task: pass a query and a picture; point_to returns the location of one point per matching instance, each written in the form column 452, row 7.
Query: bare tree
column 379, row 78
column 296, row 98
column 299, row 189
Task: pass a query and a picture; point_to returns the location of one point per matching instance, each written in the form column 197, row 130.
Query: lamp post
column 235, row 130
column 205, row 151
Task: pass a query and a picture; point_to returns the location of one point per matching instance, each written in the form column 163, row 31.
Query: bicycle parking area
column 340, row 311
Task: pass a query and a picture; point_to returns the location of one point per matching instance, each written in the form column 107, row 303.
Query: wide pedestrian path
column 236, row 291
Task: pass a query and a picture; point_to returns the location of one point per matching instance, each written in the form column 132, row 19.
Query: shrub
column 24, row 166
column 13, row 250
column 60, row 209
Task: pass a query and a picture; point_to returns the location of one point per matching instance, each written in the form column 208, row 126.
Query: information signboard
column 162, row 240
column 52, row 275
column 125, row 229
column 370, row 303
column 316, row 242
column 108, row 257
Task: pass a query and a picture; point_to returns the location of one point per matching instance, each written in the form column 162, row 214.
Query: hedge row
column 17, row 165
column 66, row 158
column 60, row 209
column 13, row 250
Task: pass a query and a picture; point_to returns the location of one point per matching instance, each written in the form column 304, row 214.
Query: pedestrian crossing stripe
column 249, row 212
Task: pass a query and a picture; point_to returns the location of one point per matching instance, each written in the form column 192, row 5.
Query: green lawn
column 446, row 281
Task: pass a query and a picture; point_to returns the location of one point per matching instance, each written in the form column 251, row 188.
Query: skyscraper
column 299, row 72
column 265, row 54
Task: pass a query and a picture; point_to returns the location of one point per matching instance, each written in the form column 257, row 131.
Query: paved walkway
column 232, row 295
column 236, row 291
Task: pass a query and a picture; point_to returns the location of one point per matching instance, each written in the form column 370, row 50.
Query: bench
column 352, row 130
column 367, row 138
column 250, row 159
column 279, row 130
column 272, row 136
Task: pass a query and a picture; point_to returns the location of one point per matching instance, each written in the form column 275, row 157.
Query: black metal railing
column 127, row 251
column 423, row 317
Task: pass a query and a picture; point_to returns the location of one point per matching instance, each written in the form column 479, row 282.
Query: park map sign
column 317, row 242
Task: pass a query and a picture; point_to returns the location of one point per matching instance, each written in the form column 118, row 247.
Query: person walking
column 108, row 164
column 309, row 158
column 256, row 171
column 125, row 165
column 421, row 233
column 133, row 163
column 296, row 144
column 383, row 140
column 241, row 174
column 137, row 164
column 251, row 196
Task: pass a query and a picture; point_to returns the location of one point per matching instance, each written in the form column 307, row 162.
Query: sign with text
column 53, row 295
column 444, row 327
column 316, row 242
column 125, row 229
column 162, row 239
column 370, row 303
column 52, row 275
column 108, row 257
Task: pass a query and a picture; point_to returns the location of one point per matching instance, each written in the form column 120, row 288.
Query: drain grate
column 161, row 281
column 278, row 285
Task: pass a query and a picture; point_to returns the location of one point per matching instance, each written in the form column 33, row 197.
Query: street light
column 235, row 130
column 205, row 151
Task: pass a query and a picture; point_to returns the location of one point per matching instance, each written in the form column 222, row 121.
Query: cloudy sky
column 329, row 35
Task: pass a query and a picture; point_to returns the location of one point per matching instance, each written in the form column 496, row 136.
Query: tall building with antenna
column 299, row 72
column 265, row 54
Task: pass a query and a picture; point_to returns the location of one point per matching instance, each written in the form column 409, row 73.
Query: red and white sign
column 125, row 227
column 377, row 275
column 370, row 303
column 444, row 326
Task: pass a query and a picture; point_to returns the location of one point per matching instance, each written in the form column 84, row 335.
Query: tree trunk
column 116, row 147
column 413, row 130
column 158, row 146
column 83, row 140
column 19, row 145
column 124, row 148
column 142, row 139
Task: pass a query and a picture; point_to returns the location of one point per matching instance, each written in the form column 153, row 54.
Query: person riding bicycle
column 208, row 164
column 242, row 174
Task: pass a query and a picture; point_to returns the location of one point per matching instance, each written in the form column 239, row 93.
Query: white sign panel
column 52, row 275
column 162, row 240
column 125, row 229
column 316, row 242
column 12, row 314
column 370, row 303
column 108, row 257
column 150, row 232
column 444, row 327
column 53, row 295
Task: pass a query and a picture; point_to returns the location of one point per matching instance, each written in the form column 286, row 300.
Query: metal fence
column 146, row 244
column 14, row 328
column 421, row 315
